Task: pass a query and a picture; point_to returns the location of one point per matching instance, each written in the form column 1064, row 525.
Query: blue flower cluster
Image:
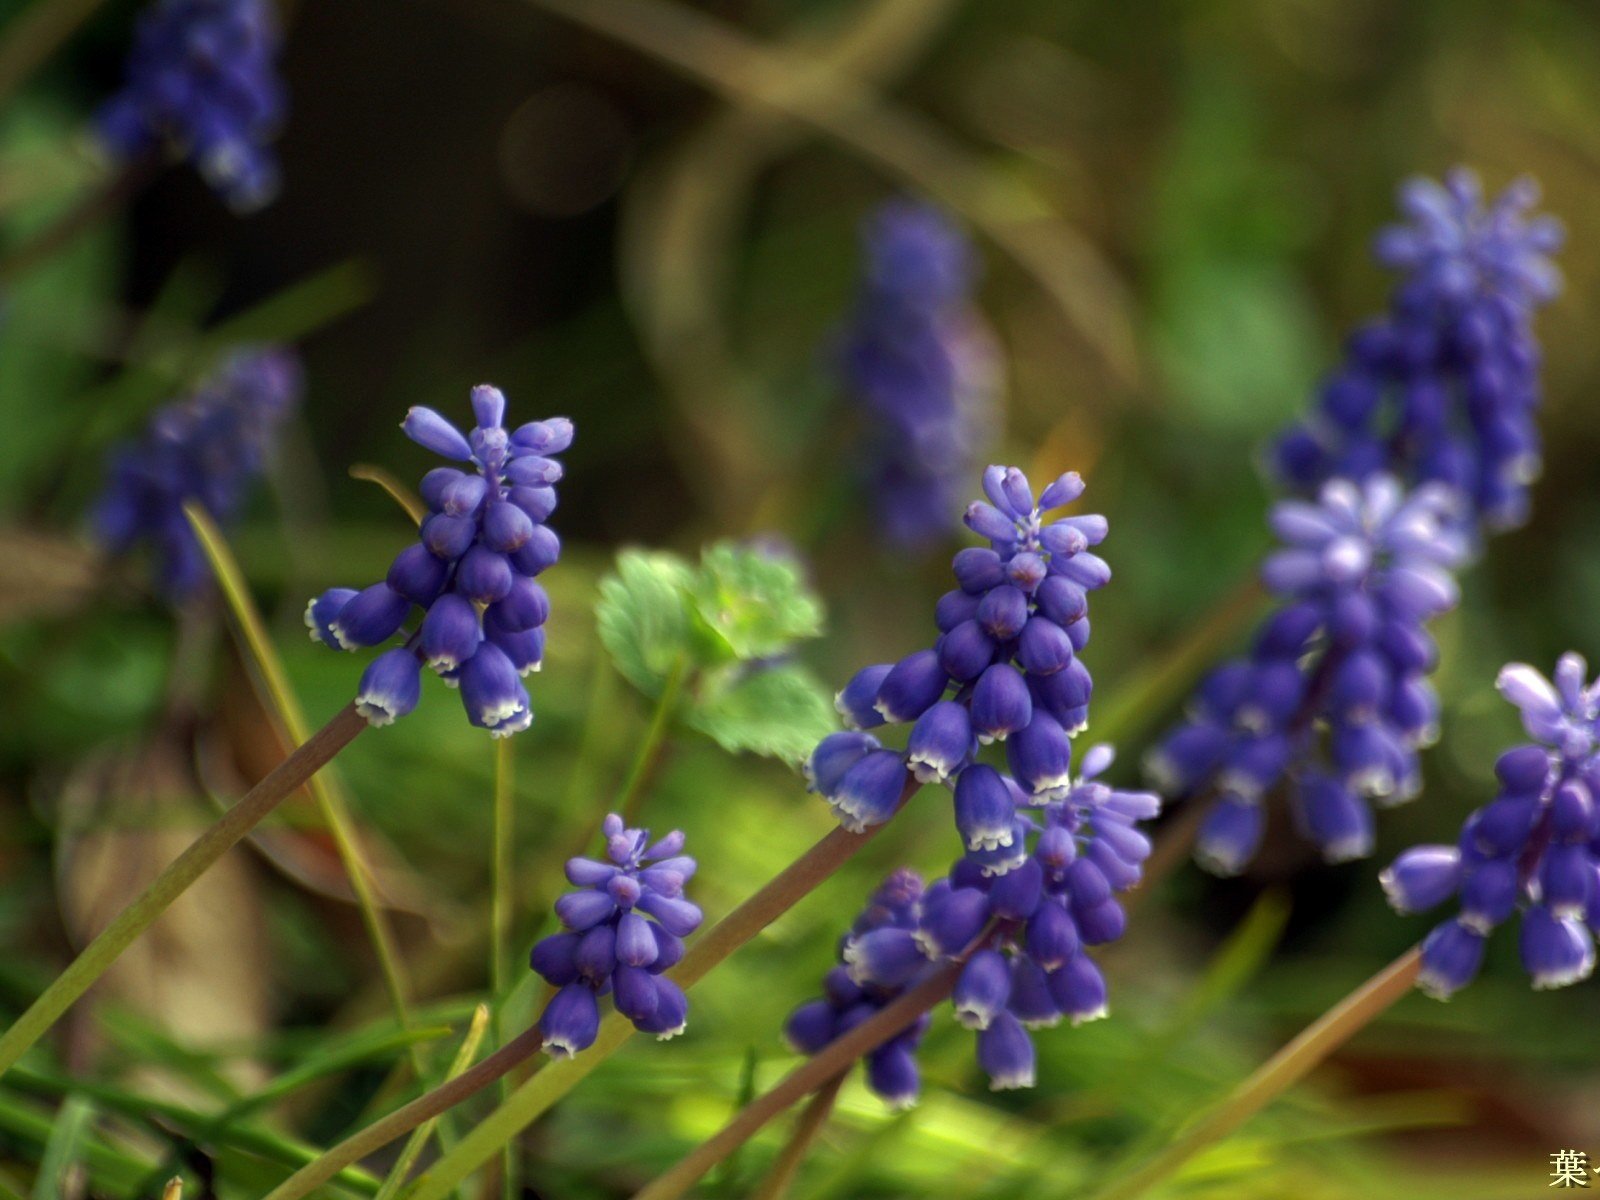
column 1445, row 386
column 1020, row 922
column 623, row 928
column 202, row 82
column 472, row 572
column 1008, row 657
column 1535, row 848
column 922, row 364
column 1334, row 692
column 208, row 448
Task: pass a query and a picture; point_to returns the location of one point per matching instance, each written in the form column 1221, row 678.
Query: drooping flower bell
column 1004, row 669
column 1445, row 386
column 473, row 572
column 621, row 930
column 203, row 84
column 921, row 362
column 1334, row 695
column 1533, row 850
column 209, row 448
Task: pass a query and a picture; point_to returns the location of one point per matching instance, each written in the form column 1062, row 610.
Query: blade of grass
column 398, row 492
column 285, row 705
column 807, row 1127
column 61, row 1151
column 419, row 1136
column 502, row 845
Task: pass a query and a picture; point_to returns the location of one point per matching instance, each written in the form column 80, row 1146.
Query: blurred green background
column 646, row 219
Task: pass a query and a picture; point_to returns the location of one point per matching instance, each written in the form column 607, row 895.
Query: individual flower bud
column 1451, row 957
column 834, row 755
column 524, row 607
column 571, row 1021
column 463, row 495
column 893, row 1076
column 1079, row 989
column 450, row 633
column 677, row 916
column 1005, row 1054
column 492, row 693
column 948, row 927
column 1230, row 835
column 483, row 576
column 372, row 616
column 1001, row 703
column 966, row 651
column 940, row 742
column 913, row 686
column 1556, row 951
column 1333, row 817
column 1100, row 924
column 597, row 954
column 1052, row 935
column 321, row 611
column 555, row 958
column 448, row 537
column 1489, row 895
column 1422, row 878
column 977, row 570
column 537, row 502
column 634, row 993
column 1003, row 612
column 418, row 575
column 539, row 553
column 505, row 527
column 1061, row 600
column 1044, row 647
column 432, row 432
column 1040, row 756
column 982, row 989
column 1564, row 878
column 550, row 436
column 870, row 791
column 984, row 812
column 810, row 1027
column 1031, row 1001
column 1016, row 894
column 672, row 1011
column 1523, row 770
column 953, row 608
column 856, row 702
column 390, row 687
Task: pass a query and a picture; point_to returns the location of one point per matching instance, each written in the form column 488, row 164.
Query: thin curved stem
column 419, row 1136
column 1280, row 1072
column 831, row 1061
column 98, row 955
column 649, row 754
column 808, row 1125
column 398, row 492
column 327, row 793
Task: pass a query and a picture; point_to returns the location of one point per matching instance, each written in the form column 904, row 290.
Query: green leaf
column 641, row 618
column 781, row 713
column 750, row 603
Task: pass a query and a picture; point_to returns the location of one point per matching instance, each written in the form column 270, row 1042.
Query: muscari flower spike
column 622, row 929
column 202, row 84
column 472, row 571
column 208, row 447
column 921, row 362
column 1021, row 921
column 1334, row 695
column 1445, row 386
column 1004, row 669
column 1533, row 850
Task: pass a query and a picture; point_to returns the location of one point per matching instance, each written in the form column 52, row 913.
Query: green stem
column 327, row 793
column 813, row 1118
column 1284, row 1069
column 35, row 36
column 98, row 203
column 533, row 1098
column 644, row 762
column 500, row 921
column 419, row 1136
column 300, row 766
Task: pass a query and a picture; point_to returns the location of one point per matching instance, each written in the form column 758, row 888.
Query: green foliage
column 718, row 622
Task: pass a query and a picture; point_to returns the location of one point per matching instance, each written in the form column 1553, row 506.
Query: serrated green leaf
column 749, row 603
column 781, row 712
column 641, row 616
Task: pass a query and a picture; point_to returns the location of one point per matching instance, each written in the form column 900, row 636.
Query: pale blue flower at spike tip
column 1445, row 386
column 1044, row 851
column 918, row 358
column 621, row 930
column 208, row 447
column 202, row 83
column 472, row 572
column 1534, row 850
column 1333, row 699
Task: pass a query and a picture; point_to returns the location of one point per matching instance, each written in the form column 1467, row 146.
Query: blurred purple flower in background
column 208, row 448
column 202, row 84
column 1534, row 849
column 918, row 357
column 1445, row 386
column 621, row 929
column 1334, row 694
column 472, row 571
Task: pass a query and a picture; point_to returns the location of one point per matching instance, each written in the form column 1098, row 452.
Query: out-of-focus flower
column 621, row 929
column 1445, row 386
column 202, row 84
column 208, row 447
column 923, row 366
column 472, row 572
column 1533, row 850
column 1334, row 694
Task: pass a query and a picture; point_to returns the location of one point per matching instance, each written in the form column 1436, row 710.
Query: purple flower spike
column 1533, row 849
column 471, row 572
column 624, row 928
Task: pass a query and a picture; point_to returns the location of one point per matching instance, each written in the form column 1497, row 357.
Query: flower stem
column 98, row 203
column 500, row 919
column 419, row 1136
column 226, row 832
column 810, row 1123
column 536, row 1096
column 325, row 790
column 34, row 37
column 1280, row 1072
column 649, row 753
column 830, row 1062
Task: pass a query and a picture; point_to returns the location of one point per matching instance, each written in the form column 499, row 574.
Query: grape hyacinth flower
column 472, row 571
column 1020, row 922
column 621, row 929
column 202, row 84
column 889, row 922
column 1534, row 849
column 922, row 364
column 1334, row 693
column 208, row 447
column 1445, row 386
column 1004, row 669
